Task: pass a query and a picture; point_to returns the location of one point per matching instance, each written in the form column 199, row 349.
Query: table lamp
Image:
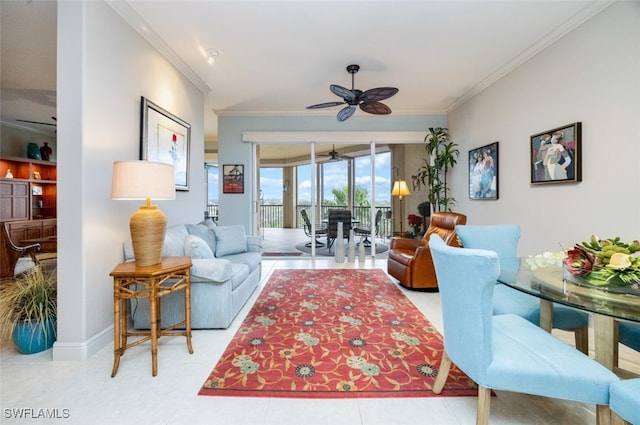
column 145, row 180
column 400, row 189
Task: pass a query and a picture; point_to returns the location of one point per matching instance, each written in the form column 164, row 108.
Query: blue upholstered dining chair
column 505, row 352
column 503, row 239
column 629, row 334
column 624, row 400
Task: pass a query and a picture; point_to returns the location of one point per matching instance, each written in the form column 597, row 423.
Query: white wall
column 104, row 67
column 592, row 75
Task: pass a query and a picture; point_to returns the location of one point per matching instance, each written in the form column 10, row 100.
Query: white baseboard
column 79, row 351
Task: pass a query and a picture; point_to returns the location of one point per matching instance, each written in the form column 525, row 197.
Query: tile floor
column 84, row 392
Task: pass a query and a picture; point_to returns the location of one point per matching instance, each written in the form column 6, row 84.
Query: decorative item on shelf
column 33, row 151
column 604, row 263
column 8, row 174
column 352, row 247
column 36, row 190
column 145, row 180
column 339, row 244
column 46, row 151
column 36, row 175
column 415, row 222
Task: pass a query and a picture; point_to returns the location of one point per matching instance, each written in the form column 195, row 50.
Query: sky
column 335, row 177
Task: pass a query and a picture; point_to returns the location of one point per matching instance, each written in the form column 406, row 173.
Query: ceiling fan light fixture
column 368, row 101
column 212, row 55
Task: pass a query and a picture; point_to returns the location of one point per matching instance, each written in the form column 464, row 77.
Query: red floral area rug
column 333, row 334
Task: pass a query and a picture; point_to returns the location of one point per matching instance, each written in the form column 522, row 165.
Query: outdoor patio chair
column 505, row 352
column 336, row 216
column 366, row 231
column 319, row 229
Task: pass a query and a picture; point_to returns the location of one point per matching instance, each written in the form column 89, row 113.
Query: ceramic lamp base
column 147, row 226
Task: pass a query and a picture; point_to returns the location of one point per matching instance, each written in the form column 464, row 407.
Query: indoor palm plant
column 442, row 155
column 28, row 309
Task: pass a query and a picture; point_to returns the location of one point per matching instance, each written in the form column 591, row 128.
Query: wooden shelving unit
column 28, row 199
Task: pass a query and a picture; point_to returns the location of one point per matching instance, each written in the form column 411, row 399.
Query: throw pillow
column 203, row 232
column 197, row 248
column 230, row 240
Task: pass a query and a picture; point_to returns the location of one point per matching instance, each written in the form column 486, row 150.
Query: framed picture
column 483, row 172
column 37, row 190
column 233, row 178
column 165, row 138
column 556, row 155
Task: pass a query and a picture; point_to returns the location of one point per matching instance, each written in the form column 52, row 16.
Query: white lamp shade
column 142, row 180
column 400, row 189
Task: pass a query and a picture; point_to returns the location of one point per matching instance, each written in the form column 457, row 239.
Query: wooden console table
column 152, row 283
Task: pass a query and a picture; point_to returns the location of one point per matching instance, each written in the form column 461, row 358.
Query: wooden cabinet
column 31, row 229
column 30, row 194
column 28, row 198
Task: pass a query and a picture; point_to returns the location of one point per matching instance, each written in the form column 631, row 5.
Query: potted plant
column 28, row 309
column 424, row 209
column 442, row 156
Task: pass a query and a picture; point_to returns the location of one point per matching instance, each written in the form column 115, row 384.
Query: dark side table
column 152, row 283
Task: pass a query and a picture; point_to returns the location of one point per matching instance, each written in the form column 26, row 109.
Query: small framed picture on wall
column 483, row 172
column 233, row 178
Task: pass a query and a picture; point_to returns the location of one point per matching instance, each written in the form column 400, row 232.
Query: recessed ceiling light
column 212, row 54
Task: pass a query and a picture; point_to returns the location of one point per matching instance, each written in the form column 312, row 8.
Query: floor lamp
column 400, row 189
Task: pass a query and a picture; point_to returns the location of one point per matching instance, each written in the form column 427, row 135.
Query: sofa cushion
column 174, row 241
column 250, row 258
column 213, row 269
column 205, row 233
column 196, row 247
column 230, row 240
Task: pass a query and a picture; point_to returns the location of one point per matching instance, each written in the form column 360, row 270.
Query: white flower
column 619, row 261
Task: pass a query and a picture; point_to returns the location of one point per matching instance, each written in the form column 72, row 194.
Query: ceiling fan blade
column 378, row 94
column 325, row 105
column 346, row 112
column 346, row 94
column 376, row 108
column 36, row 122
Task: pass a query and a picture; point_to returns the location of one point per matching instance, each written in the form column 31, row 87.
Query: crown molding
column 587, row 13
column 333, row 137
column 130, row 16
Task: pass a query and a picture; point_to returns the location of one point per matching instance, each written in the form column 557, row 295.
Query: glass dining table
column 607, row 304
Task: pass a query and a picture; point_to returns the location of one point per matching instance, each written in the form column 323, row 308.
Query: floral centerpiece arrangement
column 415, row 221
column 601, row 262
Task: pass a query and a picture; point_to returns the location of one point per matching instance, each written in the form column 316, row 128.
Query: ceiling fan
column 335, row 155
column 39, row 122
column 368, row 101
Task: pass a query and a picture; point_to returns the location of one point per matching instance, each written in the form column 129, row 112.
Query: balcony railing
column 271, row 216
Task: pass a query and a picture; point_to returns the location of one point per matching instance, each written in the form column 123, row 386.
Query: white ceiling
column 277, row 57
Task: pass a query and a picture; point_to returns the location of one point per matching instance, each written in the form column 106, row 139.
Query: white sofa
column 226, row 269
